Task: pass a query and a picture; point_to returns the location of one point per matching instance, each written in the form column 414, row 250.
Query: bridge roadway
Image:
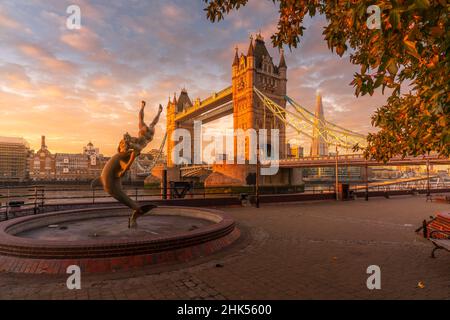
column 394, row 182
column 354, row 160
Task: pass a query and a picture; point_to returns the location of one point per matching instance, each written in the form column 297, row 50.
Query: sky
column 76, row 86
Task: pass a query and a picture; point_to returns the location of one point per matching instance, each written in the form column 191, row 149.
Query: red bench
column 438, row 231
column 441, row 240
column 440, row 223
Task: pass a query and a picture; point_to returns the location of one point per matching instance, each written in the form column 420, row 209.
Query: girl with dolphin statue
column 116, row 167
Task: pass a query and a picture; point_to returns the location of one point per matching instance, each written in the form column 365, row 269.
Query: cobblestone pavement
column 314, row 250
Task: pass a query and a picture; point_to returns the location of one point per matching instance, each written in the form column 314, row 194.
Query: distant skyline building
column 42, row 163
column 90, row 150
column 45, row 166
column 80, row 166
column 319, row 146
column 71, row 166
column 18, row 163
column 14, row 153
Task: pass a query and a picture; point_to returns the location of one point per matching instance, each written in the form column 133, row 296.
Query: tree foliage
column 411, row 48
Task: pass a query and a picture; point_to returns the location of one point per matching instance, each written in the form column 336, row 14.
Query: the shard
column 319, row 146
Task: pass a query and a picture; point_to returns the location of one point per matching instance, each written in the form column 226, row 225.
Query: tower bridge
column 257, row 99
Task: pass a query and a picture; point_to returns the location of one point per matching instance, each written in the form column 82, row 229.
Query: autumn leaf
column 411, row 47
column 392, row 67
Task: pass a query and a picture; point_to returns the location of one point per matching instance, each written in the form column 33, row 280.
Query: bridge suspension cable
column 148, row 168
column 304, row 122
column 327, row 124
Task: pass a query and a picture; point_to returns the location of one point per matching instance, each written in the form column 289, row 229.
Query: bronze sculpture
column 116, row 167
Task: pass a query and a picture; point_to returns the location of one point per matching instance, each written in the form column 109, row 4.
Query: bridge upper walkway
column 358, row 160
column 218, row 100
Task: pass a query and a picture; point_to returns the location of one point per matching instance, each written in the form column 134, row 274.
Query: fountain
column 99, row 240
column 108, row 239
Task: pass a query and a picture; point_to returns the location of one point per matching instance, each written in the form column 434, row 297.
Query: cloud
column 83, row 40
column 47, row 59
column 8, row 22
column 102, row 82
column 15, row 77
column 173, row 12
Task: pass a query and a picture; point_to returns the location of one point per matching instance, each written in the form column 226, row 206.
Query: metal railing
column 34, row 199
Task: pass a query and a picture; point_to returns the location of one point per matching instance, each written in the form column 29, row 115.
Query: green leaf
column 411, row 48
column 422, row 4
column 394, row 19
column 379, row 81
column 392, row 67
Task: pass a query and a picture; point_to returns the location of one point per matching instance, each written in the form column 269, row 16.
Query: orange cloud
column 46, row 58
column 102, row 81
column 7, row 22
column 14, row 77
column 52, row 91
column 83, row 40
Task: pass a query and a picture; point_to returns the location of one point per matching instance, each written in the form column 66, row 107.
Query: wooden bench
column 441, row 240
column 440, row 223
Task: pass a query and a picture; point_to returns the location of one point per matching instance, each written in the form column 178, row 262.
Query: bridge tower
column 257, row 69
column 177, row 105
column 170, row 128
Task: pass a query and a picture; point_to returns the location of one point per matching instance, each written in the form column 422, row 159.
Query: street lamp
column 367, row 182
column 428, row 178
column 337, row 175
column 257, row 177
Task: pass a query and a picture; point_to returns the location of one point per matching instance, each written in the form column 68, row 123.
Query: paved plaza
column 308, row 250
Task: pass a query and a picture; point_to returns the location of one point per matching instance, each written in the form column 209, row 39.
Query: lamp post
column 367, row 182
column 164, row 183
column 337, row 175
column 428, row 178
column 257, row 177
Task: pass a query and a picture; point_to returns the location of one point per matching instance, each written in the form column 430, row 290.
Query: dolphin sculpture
column 116, row 167
column 111, row 181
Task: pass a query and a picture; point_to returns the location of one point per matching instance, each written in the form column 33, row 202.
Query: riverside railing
column 33, row 199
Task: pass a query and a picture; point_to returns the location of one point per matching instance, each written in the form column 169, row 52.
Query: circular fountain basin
column 99, row 240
